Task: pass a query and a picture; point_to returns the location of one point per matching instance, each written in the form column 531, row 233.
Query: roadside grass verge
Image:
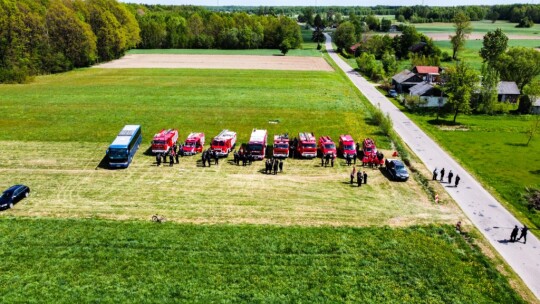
column 101, row 261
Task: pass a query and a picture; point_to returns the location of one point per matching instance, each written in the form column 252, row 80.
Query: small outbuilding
column 404, row 80
column 429, row 93
column 535, row 109
column 508, row 91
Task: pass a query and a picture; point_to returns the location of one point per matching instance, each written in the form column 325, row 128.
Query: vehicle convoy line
column 484, row 211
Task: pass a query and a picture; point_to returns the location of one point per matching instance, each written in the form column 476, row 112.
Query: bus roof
column 124, row 137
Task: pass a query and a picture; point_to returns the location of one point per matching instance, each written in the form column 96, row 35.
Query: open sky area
column 330, row 2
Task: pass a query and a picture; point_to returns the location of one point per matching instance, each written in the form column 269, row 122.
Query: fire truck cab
column 346, row 145
column 257, row 143
column 224, row 142
column 327, row 146
column 164, row 140
column 194, row 143
column 307, row 147
column 281, row 146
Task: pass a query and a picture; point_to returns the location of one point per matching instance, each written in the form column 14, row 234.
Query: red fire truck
column 307, row 147
column 164, row 140
column 257, row 143
column 371, row 156
column 346, row 145
column 194, row 143
column 281, row 146
column 224, row 142
column 327, row 146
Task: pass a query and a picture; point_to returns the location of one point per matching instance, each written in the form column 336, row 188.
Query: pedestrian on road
column 442, row 174
column 435, row 172
column 450, row 175
column 352, row 175
column 359, row 178
column 524, row 234
column 365, row 177
column 514, row 234
column 457, row 180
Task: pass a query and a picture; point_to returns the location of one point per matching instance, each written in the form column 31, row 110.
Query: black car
column 13, row 195
column 396, row 169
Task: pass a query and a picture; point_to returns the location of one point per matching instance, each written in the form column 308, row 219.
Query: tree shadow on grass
column 443, row 122
column 516, row 144
column 537, row 172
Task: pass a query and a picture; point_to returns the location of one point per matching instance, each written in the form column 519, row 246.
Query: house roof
column 417, row 47
column 507, row 88
column 402, row 76
column 421, row 88
column 422, row 69
column 355, row 46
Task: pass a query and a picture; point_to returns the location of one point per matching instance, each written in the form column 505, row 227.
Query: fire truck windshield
column 159, row 142
column 348, row 147
column 190, row 144
column 255, row 147
column 218, row 143
column 330, row 146
column 313, row 146
column 281, row 146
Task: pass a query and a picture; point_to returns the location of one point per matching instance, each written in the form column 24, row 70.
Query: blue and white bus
column 123, row 148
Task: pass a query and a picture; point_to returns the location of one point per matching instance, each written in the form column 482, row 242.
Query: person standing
column 365, row 177
column 280, row 166
column 514, row 234
column 442, row 174
column 158, row 159
column 524, row 234
column 164, row 155
column 203, row 158
column 354, row 158
column 457, row 180
column 327, row 160
column 352, row 175
column 322, row 160
column 171, row 158
column 359, row 178
column 276, row 164
column 450, row 175
column 332, row 160
column 435, row 172
column 176, row 157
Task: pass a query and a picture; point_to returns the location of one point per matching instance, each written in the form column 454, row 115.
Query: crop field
column 482, row 27
column 233, row 233
column 124, row 261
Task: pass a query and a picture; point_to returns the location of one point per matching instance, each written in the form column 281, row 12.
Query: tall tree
column 519, row 64
column 344, row 36
column 488, row 89
column 494, row 45
column 461, row 81
column 463, row 27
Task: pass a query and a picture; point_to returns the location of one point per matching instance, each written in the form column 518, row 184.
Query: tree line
column 199, row 28
column 51, row 36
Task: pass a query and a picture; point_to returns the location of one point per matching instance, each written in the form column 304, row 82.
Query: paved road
column 480, row 206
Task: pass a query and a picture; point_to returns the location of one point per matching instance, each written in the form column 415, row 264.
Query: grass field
column 480, row 27
column 106, row 261
column 493, row 148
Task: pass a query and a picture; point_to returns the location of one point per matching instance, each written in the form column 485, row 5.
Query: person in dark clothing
column 280, row 166
column 209, row 158
column 164, row 156
column 203, row 158
column 348, row 160
column 442, row 174
column 244, row 159
column 158, row 159
column 457, row 180
column 514, row 234
column 171, row 158
column 354, row 158
column 352, row 175
column 523, row 234
column 365, row 177
column 326, row 160
column 435, row 172
column 276, row 165
column 175, row 147
column 322, row 160
column 176, row 157
column 216, row 158
column 450, row 175
column 359, row 178
column 332, row 160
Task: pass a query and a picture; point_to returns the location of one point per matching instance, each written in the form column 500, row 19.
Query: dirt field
column 219, row 62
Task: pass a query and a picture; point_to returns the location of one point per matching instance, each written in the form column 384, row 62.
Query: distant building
column 355, row 49
column 404, row 80
column 536, row 106
column 428, row 73
column 429, row 93
column 508, row 91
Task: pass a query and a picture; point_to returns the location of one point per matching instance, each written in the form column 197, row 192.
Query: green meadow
column 480, row 27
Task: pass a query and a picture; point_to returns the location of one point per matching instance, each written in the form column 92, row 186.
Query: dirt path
column 479, row 205
column 242, row 62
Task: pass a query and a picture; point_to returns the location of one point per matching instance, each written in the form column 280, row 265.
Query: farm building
column 508, row 91
column 404, row 80
column 429, row 93
column 536, row 106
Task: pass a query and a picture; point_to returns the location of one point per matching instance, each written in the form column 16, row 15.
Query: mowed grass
column 109, row 261
column 481, row 27
column 493, row 148
column 56, row 131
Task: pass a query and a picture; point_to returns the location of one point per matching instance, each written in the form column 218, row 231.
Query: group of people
column 271, row 165
column 242, row 156
column 207, row 156
column 173, row 155
column 327, row 159
column 450, row 176
column 361, row 177
column 523, row 234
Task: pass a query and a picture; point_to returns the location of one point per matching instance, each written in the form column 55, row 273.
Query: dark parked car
column 13, row 195
column 396, row 169
column 392, row 93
